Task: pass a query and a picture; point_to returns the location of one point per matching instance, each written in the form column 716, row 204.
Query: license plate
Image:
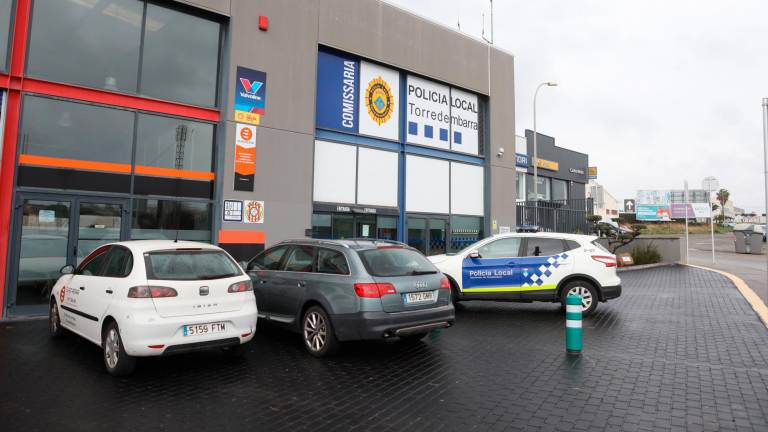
column 419, row 297
column 204, row 329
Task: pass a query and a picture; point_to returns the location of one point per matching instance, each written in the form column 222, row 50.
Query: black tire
column 317, row 333
column 116, row 360
column 454, row 294
column 582, row 288
column 54, row 321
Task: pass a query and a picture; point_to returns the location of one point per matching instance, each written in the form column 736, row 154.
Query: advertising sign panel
column 337, row 92
column 378, row 104
column 250, row 95
column 695, row 210
column 591, row 173
column 652, row 196
column 653, row 212
column 245, row 157
column 428, row 113
column 521, row 160
column 254, row 211
column 547, row 164
column 464, row 121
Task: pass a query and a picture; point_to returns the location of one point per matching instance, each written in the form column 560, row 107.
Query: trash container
column 748, row 238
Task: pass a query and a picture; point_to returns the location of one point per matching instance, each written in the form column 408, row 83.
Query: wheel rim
column 54, row 320
column 586, row 296
column 112, row 348
column 315, row 331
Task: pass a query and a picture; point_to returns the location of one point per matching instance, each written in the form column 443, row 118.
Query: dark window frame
column 520, row 248
column 280, row 262
column 101, row 250
column 6, row 62
column 284, row 261
column 126, row 269
column 317, row 261
column 564, row 246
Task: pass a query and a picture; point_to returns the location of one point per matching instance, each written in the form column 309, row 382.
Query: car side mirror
column 67, row 269
column 474, row 254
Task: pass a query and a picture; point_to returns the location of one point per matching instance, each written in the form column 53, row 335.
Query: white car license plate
column 204, row 329
column 420, row 297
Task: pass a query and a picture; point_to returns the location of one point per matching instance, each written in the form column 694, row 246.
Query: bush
column 646, row 254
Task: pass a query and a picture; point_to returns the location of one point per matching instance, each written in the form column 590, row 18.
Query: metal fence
column 565, row 216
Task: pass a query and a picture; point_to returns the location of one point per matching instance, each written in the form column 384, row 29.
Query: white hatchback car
column 154, row 297
column 529, row 267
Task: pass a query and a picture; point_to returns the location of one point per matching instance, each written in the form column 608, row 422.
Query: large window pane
column 465, row 230
column 72, row 130
column 94, row 43
column 160, row 219
column 5, row 31
column 321, row 226
column 559, row 189
column 167, row 142
column 181, row 57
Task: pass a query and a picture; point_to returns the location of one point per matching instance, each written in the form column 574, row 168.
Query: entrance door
column 365, row 226
column 428, row 234
column 51, row 232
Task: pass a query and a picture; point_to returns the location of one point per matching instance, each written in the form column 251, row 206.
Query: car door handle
column 109, row 291
column 302, row 284
column 82, row 288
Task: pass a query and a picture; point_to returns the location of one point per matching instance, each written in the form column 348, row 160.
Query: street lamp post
column 535, row 142
column 710, row 183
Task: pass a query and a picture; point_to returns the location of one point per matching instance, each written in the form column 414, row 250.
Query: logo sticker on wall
column 379, row 100
column 233, row 211
column 245, row 157
column 250, row 95
column 254, row 211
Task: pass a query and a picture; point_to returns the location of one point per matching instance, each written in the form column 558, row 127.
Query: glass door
column 437, row 236
column 53, row 231
column 429, row 234
column 365, row 226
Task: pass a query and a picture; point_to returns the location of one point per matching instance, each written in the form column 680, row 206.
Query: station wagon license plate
column 420, row 297
column 204, row 329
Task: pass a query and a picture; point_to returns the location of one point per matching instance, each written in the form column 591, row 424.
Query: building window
column 98, row 43
column 544, row 189
column 520, row 180
column 6, row 8
column 465, row 230
column 161, row 219
column 559, row 189
column 167, row 142
column 181, row 56
column 71, row 131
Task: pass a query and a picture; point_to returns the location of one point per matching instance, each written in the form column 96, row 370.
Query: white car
column 533, row 267
column 154, row 297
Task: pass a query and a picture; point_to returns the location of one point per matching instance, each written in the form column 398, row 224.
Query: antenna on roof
column 483, row 33
column 458, row 23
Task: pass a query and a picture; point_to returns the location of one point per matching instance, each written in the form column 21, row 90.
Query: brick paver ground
column 680, row 350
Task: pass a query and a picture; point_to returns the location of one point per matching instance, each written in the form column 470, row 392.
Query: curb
column 757, row 304
column 646, row 266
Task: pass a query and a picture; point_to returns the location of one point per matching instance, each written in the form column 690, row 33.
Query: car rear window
column 395, row 261
column 597, row 244
column 190, row 265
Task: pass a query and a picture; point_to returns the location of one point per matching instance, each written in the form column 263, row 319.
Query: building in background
column 522, row 162
column 562, row 173
column 190, row 121
column 605, row 204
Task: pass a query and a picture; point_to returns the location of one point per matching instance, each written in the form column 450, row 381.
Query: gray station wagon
column 332, row 291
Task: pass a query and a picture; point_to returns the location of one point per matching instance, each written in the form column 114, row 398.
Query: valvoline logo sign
column 250, row 95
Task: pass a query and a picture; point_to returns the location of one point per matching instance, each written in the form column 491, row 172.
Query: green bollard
column 573, row 339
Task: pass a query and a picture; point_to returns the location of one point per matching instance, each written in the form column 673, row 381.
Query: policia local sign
column 359, row 97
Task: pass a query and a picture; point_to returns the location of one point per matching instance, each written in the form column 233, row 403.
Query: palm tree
column 722, row 198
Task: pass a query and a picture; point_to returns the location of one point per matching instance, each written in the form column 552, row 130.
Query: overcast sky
column 655, row 91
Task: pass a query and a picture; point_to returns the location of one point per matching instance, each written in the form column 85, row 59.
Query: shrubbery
column 646, row 254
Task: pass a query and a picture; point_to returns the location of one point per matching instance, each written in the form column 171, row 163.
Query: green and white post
column 573, row 339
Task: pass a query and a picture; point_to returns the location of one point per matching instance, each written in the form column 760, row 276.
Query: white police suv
column 529, row 267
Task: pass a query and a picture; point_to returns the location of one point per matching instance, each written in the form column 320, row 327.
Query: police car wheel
column 116, row 360
column 54, row 321
column 586, row 291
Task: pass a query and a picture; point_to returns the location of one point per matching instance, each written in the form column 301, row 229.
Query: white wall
column 335, row 172
column 377, row 177
column 467, row 191
column 427, row 183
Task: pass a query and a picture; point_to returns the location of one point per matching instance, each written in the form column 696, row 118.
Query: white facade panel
column 464, row 121
column 379, row 107
column 426, row 183
column 377, row 177
column 428, row 113
column 467, row 189
column 335, row 172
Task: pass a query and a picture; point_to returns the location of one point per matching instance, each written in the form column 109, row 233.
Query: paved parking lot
column 680, row 350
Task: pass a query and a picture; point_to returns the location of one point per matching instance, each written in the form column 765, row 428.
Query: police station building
column 242, row 123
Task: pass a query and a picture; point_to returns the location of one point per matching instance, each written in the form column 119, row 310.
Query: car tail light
column 242, row 286
column 374, row 290
column 145, row 291
column 609, row 261
column 445, row 283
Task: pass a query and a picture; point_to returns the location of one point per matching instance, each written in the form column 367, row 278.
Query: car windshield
column 396, row 261
column 190, row 265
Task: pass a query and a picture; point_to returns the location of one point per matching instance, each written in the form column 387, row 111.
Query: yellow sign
column 592, row 172
column 550, row 165
column 379, row 100
column 246, row 117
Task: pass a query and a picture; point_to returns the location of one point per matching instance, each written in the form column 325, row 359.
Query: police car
column 529, row 267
